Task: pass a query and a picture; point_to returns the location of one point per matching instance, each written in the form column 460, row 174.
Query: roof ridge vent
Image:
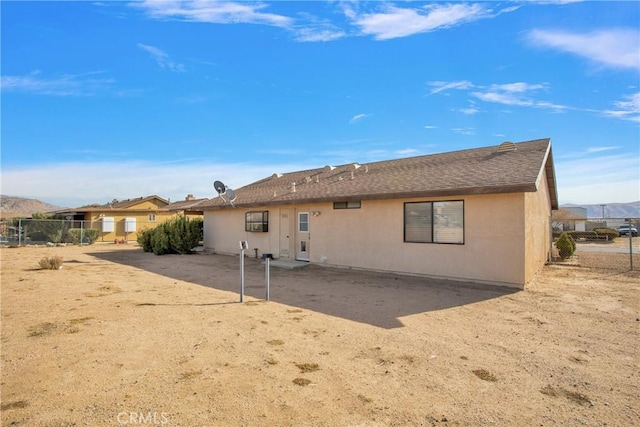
column 506, row 146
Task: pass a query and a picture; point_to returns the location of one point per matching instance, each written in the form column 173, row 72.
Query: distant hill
column 611, row 210
column 12, row 207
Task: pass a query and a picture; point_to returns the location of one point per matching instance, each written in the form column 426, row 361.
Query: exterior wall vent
column 506, row 146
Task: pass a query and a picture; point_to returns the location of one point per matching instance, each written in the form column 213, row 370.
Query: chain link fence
column 610, row 243
column 21, row 232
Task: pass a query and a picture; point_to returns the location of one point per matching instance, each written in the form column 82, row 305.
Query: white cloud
column 306, row 29
column 215, row 12
column 601, row 149
column 506, row 98
column 65, row 85
column 430, row 127
column 162, row 58
column 318, row 35
column 407, row 152
column 439, row 86
column 357, row 118
column 617, row 48
column 470, row 111
column 629, row 109
column 519, row 94
column 523, row 94
column 314, row 29
column 464, row 131
column 394, row 22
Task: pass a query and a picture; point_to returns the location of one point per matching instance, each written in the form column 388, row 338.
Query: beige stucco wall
column 372, row 238
column 537, row 229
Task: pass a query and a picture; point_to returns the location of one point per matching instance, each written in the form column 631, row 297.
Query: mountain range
column 13, row 207
column 610, row 210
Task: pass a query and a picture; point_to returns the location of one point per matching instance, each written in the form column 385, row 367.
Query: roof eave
column 549, row 169
column 468, row 191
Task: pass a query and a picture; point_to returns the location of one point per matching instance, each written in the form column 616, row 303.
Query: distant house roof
column 116, row 205
column 508, row 168
column 189, row 205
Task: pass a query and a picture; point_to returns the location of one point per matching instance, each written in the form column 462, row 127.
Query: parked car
column 623, row 230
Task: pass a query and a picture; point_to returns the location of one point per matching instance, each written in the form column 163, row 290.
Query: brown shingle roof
column 116, row 204
column 185, row 205
column 474, row 171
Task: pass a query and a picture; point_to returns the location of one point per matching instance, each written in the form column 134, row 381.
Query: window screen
column 434, row 222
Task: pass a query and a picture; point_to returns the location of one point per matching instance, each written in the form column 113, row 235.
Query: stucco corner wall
column 537, row 230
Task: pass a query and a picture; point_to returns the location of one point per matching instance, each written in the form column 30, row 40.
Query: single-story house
column 570, row 219
column 187, row 207
column 479, row 215
column 120, row 220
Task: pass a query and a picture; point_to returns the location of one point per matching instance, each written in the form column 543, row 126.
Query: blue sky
column 104, row 100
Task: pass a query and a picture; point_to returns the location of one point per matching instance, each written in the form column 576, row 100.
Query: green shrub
column 184, row 234
column 607, row 233
column 88, row 235
column 144, row 240
column 583, row 235
column 566, row 246
column 160, row 241
column 178, row 235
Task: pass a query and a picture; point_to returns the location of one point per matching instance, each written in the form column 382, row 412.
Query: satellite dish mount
column 224, row 190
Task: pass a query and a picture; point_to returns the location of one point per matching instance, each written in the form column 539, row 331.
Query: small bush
column 178, row 235
column 144, row 240
column 583, row 235
column 160, row 241
column 51, row 263
column 566, row 246
column 607, row 233
column 88, row 235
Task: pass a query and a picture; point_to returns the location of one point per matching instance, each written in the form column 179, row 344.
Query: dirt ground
column 122, row 337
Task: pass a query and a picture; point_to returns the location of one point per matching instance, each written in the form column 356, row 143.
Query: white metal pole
column 266, row 275
column 242, row 275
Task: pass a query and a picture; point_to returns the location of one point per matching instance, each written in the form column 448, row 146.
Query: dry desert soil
column 122, row 337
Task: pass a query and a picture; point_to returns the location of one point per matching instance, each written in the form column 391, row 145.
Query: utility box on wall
column 108, row 224
column 130, row 225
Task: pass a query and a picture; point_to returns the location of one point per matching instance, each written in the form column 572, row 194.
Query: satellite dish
column 231, row 195
column 220, row 187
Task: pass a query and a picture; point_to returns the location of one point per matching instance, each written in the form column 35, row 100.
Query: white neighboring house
column 578, row 219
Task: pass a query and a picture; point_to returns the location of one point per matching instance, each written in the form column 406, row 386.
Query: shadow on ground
column 378, row 299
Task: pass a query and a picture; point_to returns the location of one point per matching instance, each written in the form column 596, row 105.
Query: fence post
column 630, row 246
column 550, row 237
column 20, row 232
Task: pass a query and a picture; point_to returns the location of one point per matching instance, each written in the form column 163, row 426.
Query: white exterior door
column 285, row 231
column 302, row 236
